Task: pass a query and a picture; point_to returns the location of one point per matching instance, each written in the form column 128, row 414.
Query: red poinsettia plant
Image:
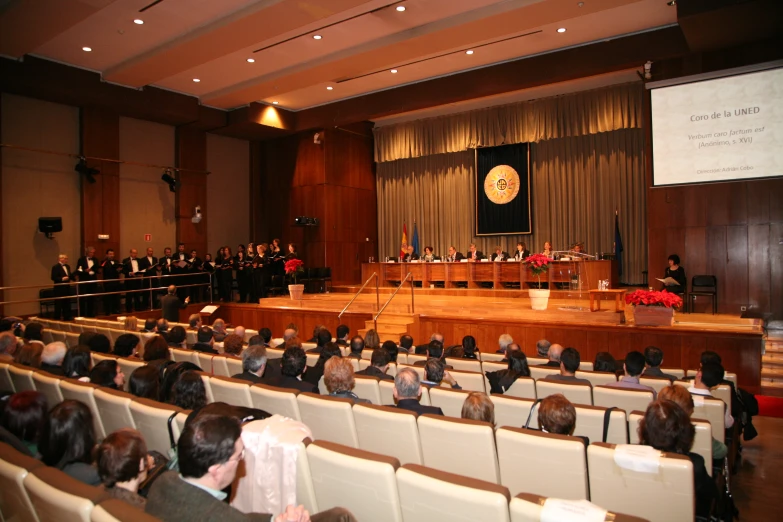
column 654, row 298
column 293, row 267
column 539, row 264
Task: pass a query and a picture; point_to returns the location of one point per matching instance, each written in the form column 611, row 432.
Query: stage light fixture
column 317, row 37
column 329, row 88
column 401, row 8
column 394, row 71
column 275, row 103
column 251, row 60
column 561, row 30
column 138, row 21
column 469, row 51
column 168, row 177
column 196, row 80
column 86, row 49
column 87, row 172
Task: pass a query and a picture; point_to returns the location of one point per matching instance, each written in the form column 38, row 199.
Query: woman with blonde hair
column 131, row 324
column 478, row 406
column 372, row 340
column 339, row 379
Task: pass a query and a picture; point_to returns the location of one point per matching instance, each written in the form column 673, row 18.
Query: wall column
column 192, row 154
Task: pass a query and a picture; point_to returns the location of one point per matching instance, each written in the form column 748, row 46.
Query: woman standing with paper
column 674, row 280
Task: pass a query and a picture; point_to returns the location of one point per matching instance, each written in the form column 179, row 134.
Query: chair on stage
column 704, row 286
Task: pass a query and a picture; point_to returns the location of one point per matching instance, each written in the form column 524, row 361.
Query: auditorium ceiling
column 172, row 43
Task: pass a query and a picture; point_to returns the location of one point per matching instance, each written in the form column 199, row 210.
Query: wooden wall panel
column 191, row 153
column 776, row 268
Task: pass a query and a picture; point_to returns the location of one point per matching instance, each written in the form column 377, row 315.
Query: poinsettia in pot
column 653, row 308
column 293, row 267
column 539, row 297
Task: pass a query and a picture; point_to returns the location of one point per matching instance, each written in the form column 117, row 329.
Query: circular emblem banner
column 501, row 184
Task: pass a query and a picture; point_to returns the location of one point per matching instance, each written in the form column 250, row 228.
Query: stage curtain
column 571, row 115
column 577, row 184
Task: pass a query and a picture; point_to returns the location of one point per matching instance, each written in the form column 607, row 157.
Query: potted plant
column 292, row 268
column 539, row 297
column 652, row 308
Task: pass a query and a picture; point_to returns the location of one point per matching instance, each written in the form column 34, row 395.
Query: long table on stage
column 451, row 275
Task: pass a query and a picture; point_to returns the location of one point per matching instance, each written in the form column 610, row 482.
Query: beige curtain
column 579, row 114
column 577, row 183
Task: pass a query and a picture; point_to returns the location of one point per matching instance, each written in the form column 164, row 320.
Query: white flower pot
column 539, row 298
column 296, row 291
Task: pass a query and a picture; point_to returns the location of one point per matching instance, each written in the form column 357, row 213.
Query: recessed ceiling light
column 275, row 103
column 251, row 60
column 561, row 30
column 138, row 21
column 317, row 37
column 87, row 49
column 329, row 88
column 196, row 80
column 394, row 71
column 469, row 51
column 401, row 8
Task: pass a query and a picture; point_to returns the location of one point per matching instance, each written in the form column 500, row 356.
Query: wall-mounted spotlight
column 317, row 138
column 196, row 215
column 87, row 172
column 169, row 178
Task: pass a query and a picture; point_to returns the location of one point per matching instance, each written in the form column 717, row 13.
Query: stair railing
column 408, row 276
column 377, row 295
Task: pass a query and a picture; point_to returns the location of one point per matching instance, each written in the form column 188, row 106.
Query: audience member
column 77, row 363
column 633, row 368
column 253, row 364
column 478, row 406
column 667, row 427
column 122, row 463
column 219, row 329
column 232, row 345
column 684, row 399
column 710, row 375
column 406, row 343
column 205, row 340
column 99, row 343
column 435, row 373
column 108, row 374
column 569, row 364
column 156, row 348
column 511, row 348
column 194, row 322
column 67, row 441
column 392, row 350
column 555, row 350
column 292, row 367
column 469, row 347
column 29, row 355
column 288, row 334
column 266, row 335
column 339, row 379
column 170, row 378
column 189, row 392
column 503, row 341
column 130, row 324
column 313, row 374
column 542, row 348
column 604, row 362
column 372, row 340
column 653, row 358
column 24, row 416
column 407, row 390
column 379, row 364
column 316, row 329
column 125, row 345
column 144, row 382
column 357, row 345
column 322, row 336
column 150, row 325
column 557, row 415
column 434, row 351
column 8, row 346
column 343, row 335
column 33, row 333
column 500, row 381
column 241, row 332
column 52, row 358
column 162, row 327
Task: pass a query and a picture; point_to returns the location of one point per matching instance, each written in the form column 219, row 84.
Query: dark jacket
column 372, row 371
column 284, row 381
column 566, row 378
column 170, row 306
column 415, row 406
column 501, row 380
column 656, row 372
column 51, row 368
column 248, row 376
column 204, row 347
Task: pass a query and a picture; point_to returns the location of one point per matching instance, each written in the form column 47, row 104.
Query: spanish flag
column 404, row 242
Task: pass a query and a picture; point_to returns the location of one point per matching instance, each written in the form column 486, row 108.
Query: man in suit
column 379, row 365
column 569, row 363
column 110, row 269
column 542, row 348
column 499, row 254
column 503, row 342
column 87, row 270
column 633, row 368
column 653, row 358
column 52, row 358
column 171, row 305
column 205, row 340
column 357, row 345
column 474, row 254
column 197, row 276
column 407, row 390
column 180, row 256
column 61, row 276
column 131, row 267
column 253, row 364
column 219, row 327
column 435, row 373
column 148, row 264
column 453, row 256
column 343, row 335
column 434, row 351
column 322, row 337
column 292, row 367
column 409, row 256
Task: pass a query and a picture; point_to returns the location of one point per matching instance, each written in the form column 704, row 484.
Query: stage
column 486, row 314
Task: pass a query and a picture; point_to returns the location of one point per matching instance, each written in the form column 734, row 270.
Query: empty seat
column 49, row 386
column 702, row 441
column 274, row 353
column 114, row 510
column 114, row 334
column 448, row 400
column 312, row 359
column 389, row 431
column 575, row 392
column 231, row 391
column 493, row 357
column 623, row 398
column 366, row 354
column 220, row 366
column 656, row 383
column 469, row 381
column 151, row 418
column 596, row 378
column 178, row 355
column 46, row 335
column 427, row 494
column 329, row 418
column 58, row 335
column 590, row 424
column 22, row 377
column 366, row 387
column 56, row 496
column 712, row 410
column 513, row 411
column 539, row 372
column 5, row 378
column 527, row 507
column 360, row 481
column 466, row 365
column 662, row 493
column 722, row 392
column 731, row 377
column 586, row 366
column 413, row 358
column 444, row 441
column 234, row 365
column 191, row 337
column 84, row 392
column 542, row 463
column 280, row 401
column 114, row 409
column 14, row 500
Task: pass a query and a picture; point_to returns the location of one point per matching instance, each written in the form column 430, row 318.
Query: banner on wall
column 503, row 190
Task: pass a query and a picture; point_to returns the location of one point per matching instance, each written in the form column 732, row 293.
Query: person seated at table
column 499, row 254
column 577, row 248
column 474, row 254
column 428, row 256
column 454, row 256
column 547, row 249
column 522, row 251
column 409, row 256
column 676, row 272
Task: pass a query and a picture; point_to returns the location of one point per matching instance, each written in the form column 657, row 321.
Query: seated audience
column 266, row 335
column 194, row 322
column 710, row 375
column 542, row 348
column 8, row 346
column 435, row 373
column 407, row 390
column 557, row 415
column 108, row 374
column 219, row 329
column 555, row 350
column 292, row 366
column 434, row 351
column 501, row 380
column 392, row 350
column 176, row 337
column 406, row 343
column 205, row 340
column 189, row 392
column 99, row 343
column 130, row 324
column 653, row 358
column 633, row 368
column 144, row 382
column 684, row 399
column 569, row 364
column 52, row 358
column 322, row 336
column 379, row 364
column 288, row 334
column 604, row 362
column 24, row 417
column 161, row 326
column 469, row 350
column 357, row 345
column 316, row 329
column 150, row 325
column 253, row 364
column 478, row 406
column 339, row 379
column 513, row 347
column 170, row 378
column 503, row 341
column 29, row 355
column 667, row 427
column 372, row 340
column 33, row 333
column 122, row 463
column 313, row 374
column 233, row 345
column 68, row 440
column 239, row 331
column 343, row 335
column 125, row 345
column 77, row 363
column 210, row 450
column 155, row 349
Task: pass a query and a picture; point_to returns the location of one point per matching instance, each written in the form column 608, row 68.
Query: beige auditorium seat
column 114, row 510
column 448, row 400
column 322, row 386
column 98, row 357
column 191, row 337
column 305, row 493
column 274, row 353
column 590, row 424
column 6, row 383
column 712, row 410
column 84, row 392
column 489, row 366
column 656, row 383
column 596, row 378
column 527, row 507
column 702, row 441
column 364, row 364
column 231, row 391
column 469, row 381
column 729, row 376
column 329, row 418
column 49, row 386
column 58, row 335
column 46, row 335
column 206, row 379
column 206, row 362
column 220, row 366
column 114, row 334
column 312, row 359
column 129, row 365
column 546, row 464
column 586, row 366
column 427, row 494
column 114, row 409
column 366, row 387
column 104, row 331
column 513, row 411
column 360, row 481
column 417, row 369
column 22, row 377
column 465, row 365
column 179, row 355
column 623, row 398
column 443, row 443
column 575, row 392
column 234, row 365
column 413, row 358
column 539, row 372
column 523, row 387
column 386, row 389
column 677, row 372
column 388, row 430
column 280, row 401
column 366, row 355
column 640, row 493
column 72, row 339
column 58, row 497
column 492, row 357
column 722, row 392
column 537, row 361
column 309, row 346
column 151, row 419
column 14, row 501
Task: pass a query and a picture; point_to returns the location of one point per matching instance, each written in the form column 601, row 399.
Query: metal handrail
column 377, row 296
column 407, row 276
column 96, row 281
